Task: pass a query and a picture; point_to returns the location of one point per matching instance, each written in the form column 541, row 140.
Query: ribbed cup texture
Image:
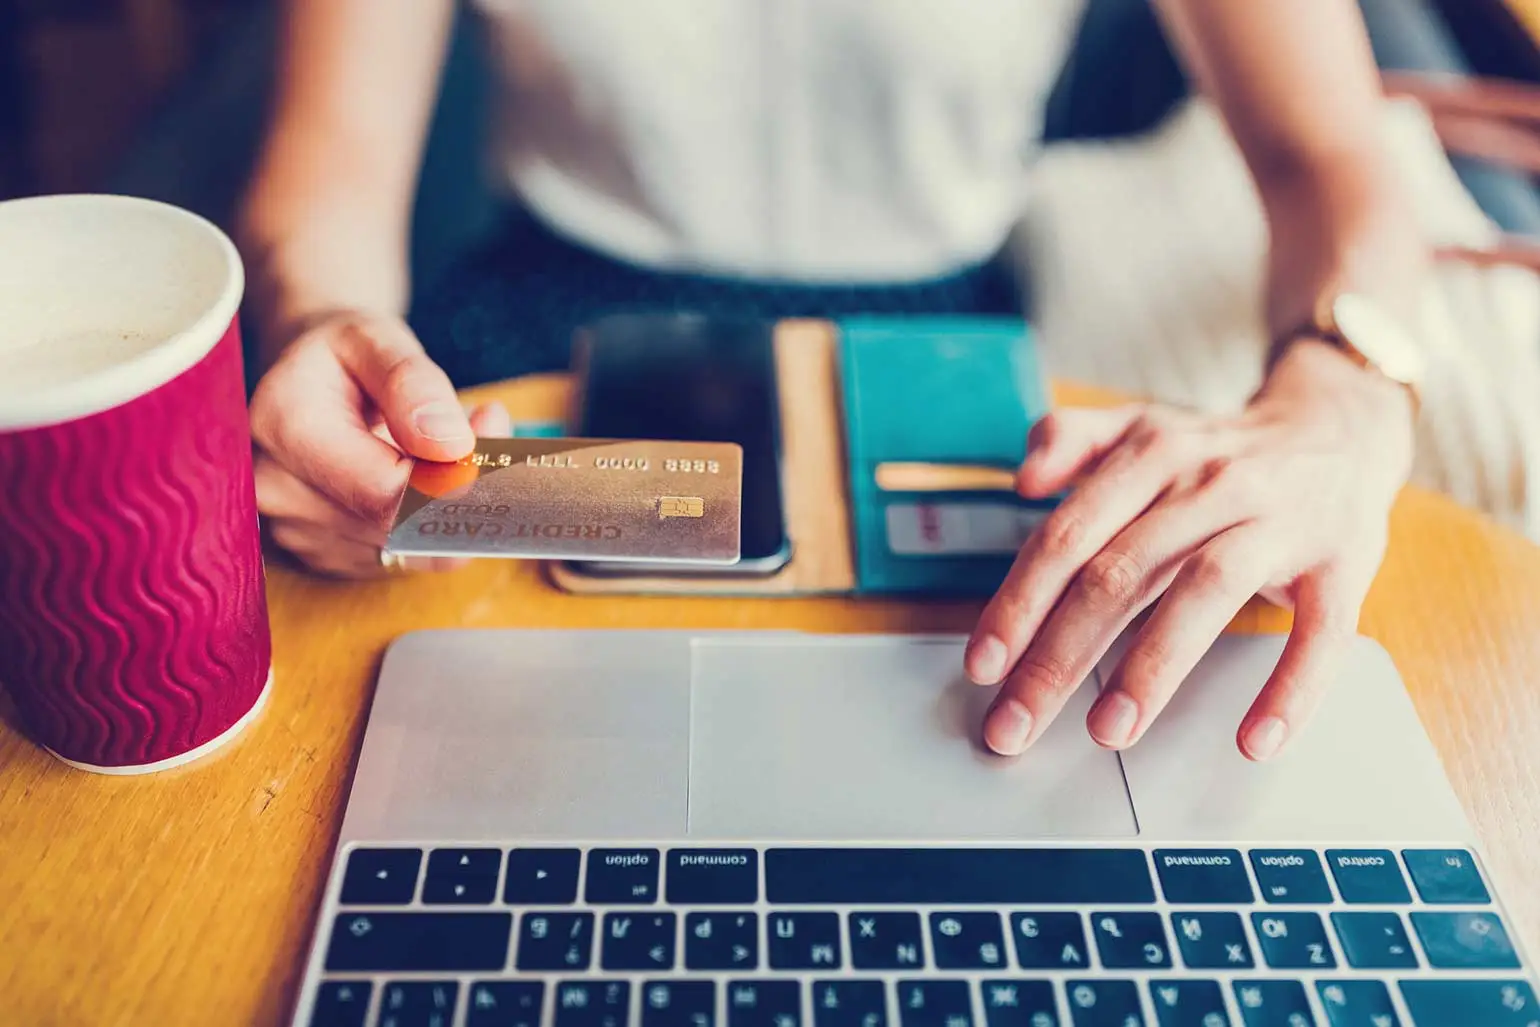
column 133, row 618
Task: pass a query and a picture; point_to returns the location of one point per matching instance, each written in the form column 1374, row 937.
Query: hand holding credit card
column 577, row 499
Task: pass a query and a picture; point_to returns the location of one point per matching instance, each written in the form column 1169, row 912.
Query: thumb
column 413, row 394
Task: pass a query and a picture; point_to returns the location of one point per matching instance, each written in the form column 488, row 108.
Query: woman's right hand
column 337, row 421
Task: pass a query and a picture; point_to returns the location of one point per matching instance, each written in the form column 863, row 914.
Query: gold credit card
column 577, row 499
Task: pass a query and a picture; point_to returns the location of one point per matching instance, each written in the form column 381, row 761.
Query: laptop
column 676, row 829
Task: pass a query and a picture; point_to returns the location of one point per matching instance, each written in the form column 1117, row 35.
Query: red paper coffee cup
column 133, row 618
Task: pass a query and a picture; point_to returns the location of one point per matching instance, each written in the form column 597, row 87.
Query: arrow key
column 381, row 877
column 638, row 941
column 461, row 876
column 541, row 877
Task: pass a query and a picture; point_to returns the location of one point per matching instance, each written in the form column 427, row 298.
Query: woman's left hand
column 1196, row 515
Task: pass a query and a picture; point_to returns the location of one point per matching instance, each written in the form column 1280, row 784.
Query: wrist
column 334, row 265
column 1353, row 231
column 1316, row 379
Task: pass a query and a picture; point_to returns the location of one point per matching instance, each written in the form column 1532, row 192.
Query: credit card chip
column 681, row 506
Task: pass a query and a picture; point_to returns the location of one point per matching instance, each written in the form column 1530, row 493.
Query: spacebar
column 926, row 875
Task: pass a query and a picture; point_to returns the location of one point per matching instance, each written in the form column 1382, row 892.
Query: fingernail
column 441, row 422
column 986, row 660
column 1113, row 720
column 1265, row 738
column 1009, row 726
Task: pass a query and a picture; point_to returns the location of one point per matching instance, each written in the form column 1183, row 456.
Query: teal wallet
column 938, row 390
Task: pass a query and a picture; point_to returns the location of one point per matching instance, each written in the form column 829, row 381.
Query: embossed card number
column 577, row 499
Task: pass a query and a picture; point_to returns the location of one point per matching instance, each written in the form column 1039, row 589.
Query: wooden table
column 1528, row 14
column 188, row 898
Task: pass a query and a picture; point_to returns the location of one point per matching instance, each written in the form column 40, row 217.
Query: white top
column 806, row 139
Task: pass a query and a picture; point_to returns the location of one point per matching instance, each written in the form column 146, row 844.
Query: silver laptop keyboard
column 922, row 936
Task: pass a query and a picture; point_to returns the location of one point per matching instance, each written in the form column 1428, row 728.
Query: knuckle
column 1043, row 675
column 372, row 497
column 1062, row 534
column 1113, row 578
column 401, row 374
column 266, row 412
column 1159, row 434
column 1211, row 573
column 289, row 537
column 1146, row 667
column 1005, row 616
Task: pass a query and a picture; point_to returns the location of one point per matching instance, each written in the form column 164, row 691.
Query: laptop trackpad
column 877, row 739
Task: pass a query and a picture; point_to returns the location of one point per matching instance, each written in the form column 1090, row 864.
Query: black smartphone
column 691, row 378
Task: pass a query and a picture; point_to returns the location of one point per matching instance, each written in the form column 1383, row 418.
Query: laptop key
column 1360, row 1003
column 341, row 1004
column 1446, row 877
column 1212, row 941
column 1465, row 941
column 461, row 876
column 1290, row 876
column 1367, row 875
column 764, row 1004
column 638, row 941
column 1131, row 940
column 679, row 1004
column 542, row 877
column 1468, row 1003
column 380, row 877
column 711, row 877
column 934, row 1003
column 430, row 942
column 622, row 877
column 967, row 941
column 942, row 877
column 1194, row 876
column 849, row 1003
column 1104, row 1003
column 1049, row 941
column 721, row 941
column 504, row 1004
column 555, row 941
column 803, row 941
column 1188, row 1004
column 419, row 1004
column 1273, row 1004
column 593, row 1004
column 1019, row 1003
column 885, row 941
column 1374, row 941
column 1293, row 941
